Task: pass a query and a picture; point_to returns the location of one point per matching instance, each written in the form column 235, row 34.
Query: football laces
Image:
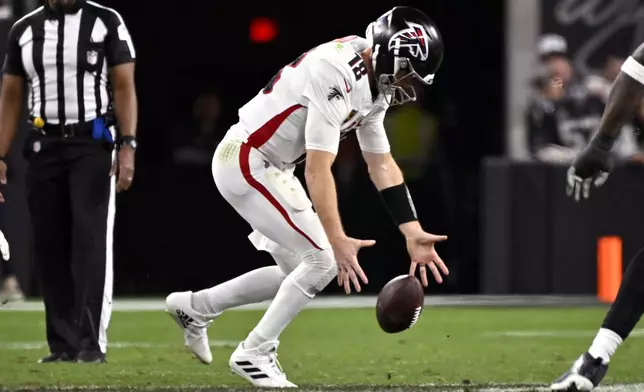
column 416, row 316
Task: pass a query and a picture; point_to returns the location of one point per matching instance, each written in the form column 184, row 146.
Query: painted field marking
column 551, row 334
column 41, row 345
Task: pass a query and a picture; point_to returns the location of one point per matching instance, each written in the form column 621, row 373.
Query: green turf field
column 344, row 348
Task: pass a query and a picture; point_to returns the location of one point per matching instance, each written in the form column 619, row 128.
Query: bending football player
column 304, row 111
column 590, row 168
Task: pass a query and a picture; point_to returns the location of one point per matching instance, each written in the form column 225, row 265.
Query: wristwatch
column 128, row 141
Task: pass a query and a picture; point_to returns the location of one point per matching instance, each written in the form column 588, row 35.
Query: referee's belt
column 68, row 130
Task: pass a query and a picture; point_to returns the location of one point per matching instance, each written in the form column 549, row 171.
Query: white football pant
column 276, row 206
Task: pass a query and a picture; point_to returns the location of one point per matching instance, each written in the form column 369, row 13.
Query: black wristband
column 127, row 139
column 399, row 204
column 603, row 142
column 3, row 159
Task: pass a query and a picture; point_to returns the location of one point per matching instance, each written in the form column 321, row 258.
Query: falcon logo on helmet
column 415, row 39
column 407, row 48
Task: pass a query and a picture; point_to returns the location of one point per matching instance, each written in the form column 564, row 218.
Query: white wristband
column 633, row 69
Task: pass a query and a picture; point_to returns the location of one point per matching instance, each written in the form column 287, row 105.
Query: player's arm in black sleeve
column 121, row 57
column 13, row 79
column 626, row 94
column 594, row 163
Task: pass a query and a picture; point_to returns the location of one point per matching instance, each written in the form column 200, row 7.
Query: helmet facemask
column 398, row 87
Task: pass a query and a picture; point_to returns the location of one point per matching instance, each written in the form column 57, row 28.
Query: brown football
column 400, row 303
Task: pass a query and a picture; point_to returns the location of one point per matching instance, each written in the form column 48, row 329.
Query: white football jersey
column 314, row 101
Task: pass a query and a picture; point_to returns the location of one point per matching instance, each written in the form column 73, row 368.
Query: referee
column 77, row 59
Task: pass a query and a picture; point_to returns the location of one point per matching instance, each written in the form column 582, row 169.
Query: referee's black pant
column 71, row 201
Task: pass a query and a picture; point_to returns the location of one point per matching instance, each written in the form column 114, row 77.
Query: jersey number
column 358, row 67
column 269, row 87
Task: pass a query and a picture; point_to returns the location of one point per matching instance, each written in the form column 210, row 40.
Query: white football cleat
column 193, row 324
column 260, row 366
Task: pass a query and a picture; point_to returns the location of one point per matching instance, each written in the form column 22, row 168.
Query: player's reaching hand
column 423, row 255
column 345, row 250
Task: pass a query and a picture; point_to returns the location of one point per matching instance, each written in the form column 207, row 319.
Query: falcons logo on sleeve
column 334, row 92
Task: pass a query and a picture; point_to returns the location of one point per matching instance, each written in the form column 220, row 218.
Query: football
column 399, row 304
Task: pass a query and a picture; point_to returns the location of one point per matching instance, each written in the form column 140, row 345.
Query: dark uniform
column 568, row 122
column 65, row 57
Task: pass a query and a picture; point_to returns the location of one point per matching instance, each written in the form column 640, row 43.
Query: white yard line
column 621, row 388
column 552, row 334
column 351, row 302
column 40, row 345
column 528, row 388
column 606, row 388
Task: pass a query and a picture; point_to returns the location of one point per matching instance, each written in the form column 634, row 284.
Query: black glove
column 591, row 167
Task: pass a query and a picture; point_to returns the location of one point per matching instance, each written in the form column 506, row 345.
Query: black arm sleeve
column 13, row 57
column 119, row 45
column 625, row 96
column 399, row 204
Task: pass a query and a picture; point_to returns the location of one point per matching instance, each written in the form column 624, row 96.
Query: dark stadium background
column 174, row 231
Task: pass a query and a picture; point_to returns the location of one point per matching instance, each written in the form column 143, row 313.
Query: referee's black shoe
column 91, row 357
column 584, row 375
column 58, row 357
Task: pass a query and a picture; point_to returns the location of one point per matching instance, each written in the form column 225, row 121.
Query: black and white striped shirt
column 65, row 59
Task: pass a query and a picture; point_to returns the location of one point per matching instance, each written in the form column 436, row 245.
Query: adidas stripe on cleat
column 260, row 366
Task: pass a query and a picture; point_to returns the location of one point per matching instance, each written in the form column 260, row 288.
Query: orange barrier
column 609, row 268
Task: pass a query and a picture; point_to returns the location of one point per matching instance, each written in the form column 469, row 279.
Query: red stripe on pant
column 244, row 164
column 256, row 140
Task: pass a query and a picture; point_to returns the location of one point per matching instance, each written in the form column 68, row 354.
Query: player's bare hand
column 345, row 250
column 423, row 255
column 126, row 169
column 3, row 177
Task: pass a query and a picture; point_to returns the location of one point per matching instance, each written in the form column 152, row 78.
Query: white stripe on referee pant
column 106, row 308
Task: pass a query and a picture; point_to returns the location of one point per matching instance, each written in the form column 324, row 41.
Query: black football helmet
column 407, row 49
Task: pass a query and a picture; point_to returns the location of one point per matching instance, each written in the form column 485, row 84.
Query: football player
column 305, row 110
column 591, row 168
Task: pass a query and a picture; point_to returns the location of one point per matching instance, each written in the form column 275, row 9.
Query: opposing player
column 592, row 167
column 306, row 109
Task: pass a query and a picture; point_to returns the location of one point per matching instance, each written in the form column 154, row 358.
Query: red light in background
column 262, row 30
